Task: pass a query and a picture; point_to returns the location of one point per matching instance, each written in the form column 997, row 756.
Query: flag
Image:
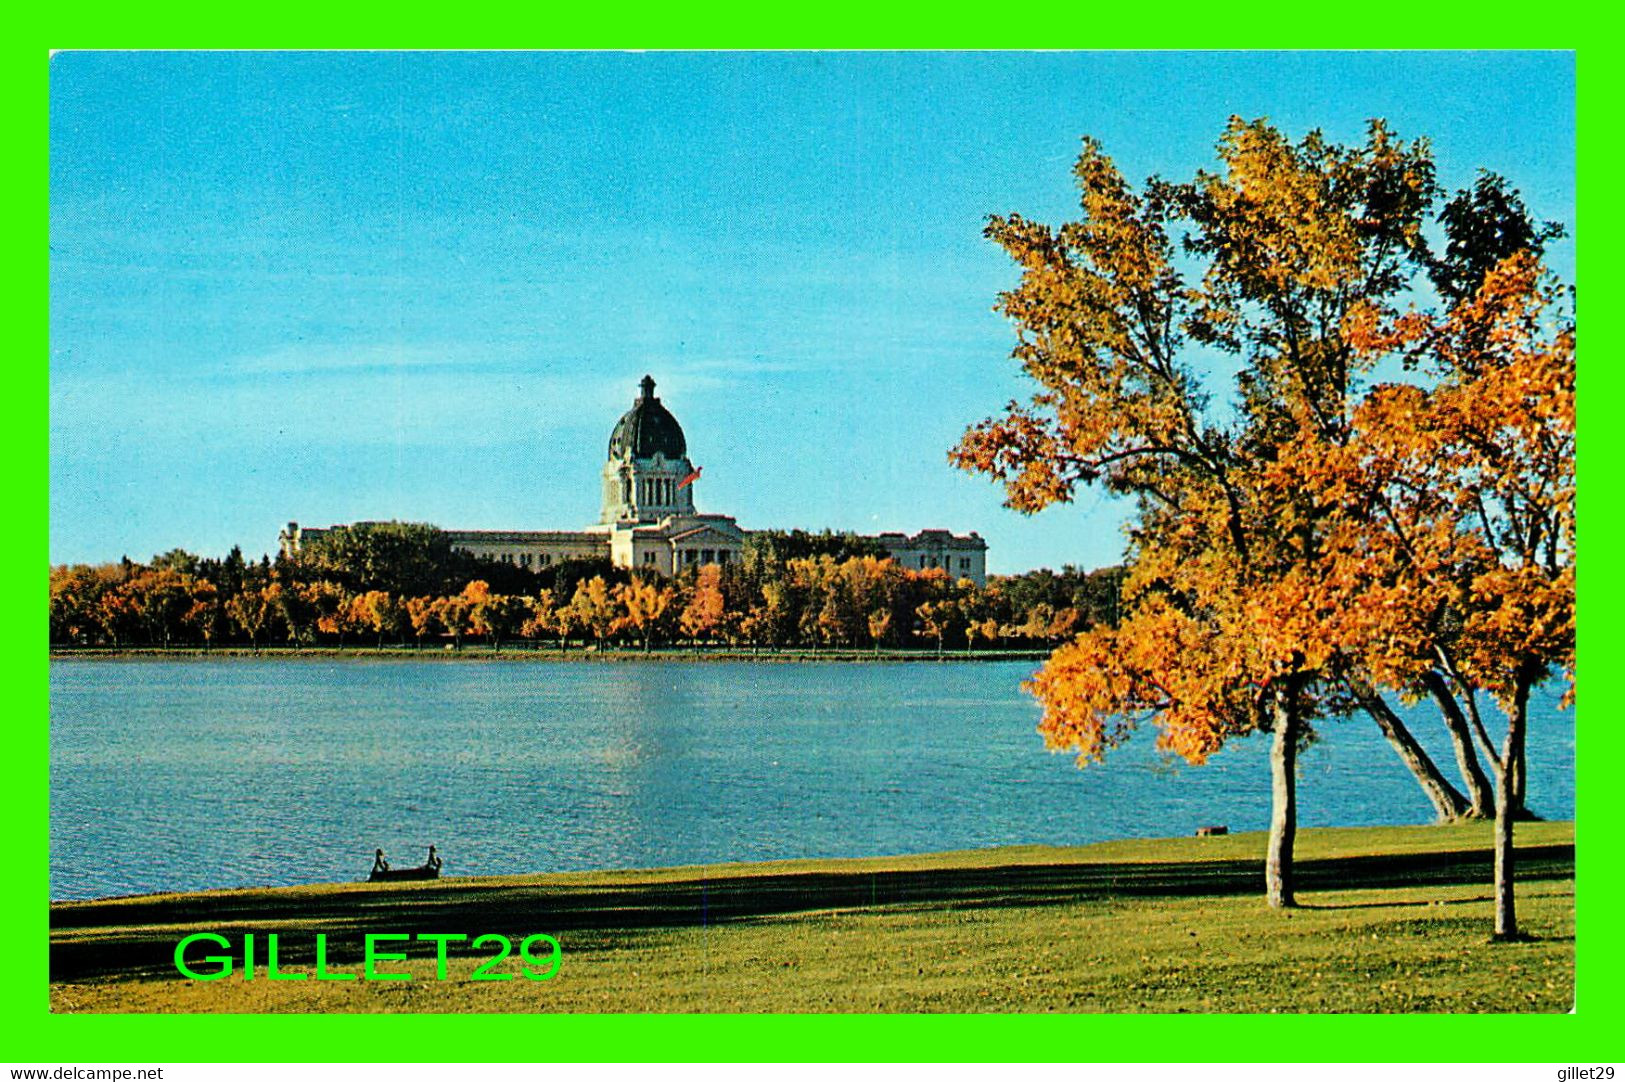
column 691, row 478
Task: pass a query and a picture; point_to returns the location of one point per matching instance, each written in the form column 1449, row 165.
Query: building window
column 688, row 555
column 722, row 556
column 649, row 557
column 922, row 563
column 708, row 556
column 964, row 563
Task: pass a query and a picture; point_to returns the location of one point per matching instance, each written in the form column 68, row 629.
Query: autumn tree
column 87, row 606
column 379, row 613
column 877, row 589
column 1286, row 238
column 161, row 596
column 772, row 616
column 118, row 615
column 422, row 613
column 502, row 616
column 250, row 609
column 942, row 617
column 330, row 607
column 879, row 624
column 1461, row 500
column 456, row 615
column 594, row 609
column 703, row 615
column 463, row 613
column 643, row 603
column 539, row 618
column 205, row 615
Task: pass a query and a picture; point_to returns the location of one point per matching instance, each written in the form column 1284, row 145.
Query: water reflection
column 187, row 775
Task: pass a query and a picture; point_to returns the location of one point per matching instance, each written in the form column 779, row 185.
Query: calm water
column 188, row 775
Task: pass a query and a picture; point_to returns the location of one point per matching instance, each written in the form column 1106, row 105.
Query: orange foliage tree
column 703, row 615
column 1218, row 633
column 593, row 608
column 644, row 605
column 1459, row 530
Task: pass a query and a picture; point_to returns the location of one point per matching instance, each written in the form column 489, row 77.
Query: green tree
column 1484, row 225
column 296, row 610
column 400, row 558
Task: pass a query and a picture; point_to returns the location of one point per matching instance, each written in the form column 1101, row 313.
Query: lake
column 186, row 775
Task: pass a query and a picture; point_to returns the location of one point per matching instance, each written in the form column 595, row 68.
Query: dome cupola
column 648, row 475
column 647, row 429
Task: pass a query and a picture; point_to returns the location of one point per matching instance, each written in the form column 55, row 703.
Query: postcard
column 665, row 533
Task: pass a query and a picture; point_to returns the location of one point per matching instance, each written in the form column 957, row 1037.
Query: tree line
column 1349, row 447
column 403, row 584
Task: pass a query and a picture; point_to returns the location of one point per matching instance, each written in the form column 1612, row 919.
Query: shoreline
column 1318, row 842
column 544, row 654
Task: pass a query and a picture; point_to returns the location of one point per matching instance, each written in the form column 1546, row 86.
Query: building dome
column 647, row 429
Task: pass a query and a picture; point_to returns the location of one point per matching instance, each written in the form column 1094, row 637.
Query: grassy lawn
column 1391, row 919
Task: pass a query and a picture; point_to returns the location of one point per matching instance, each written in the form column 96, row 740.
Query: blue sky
column 330, row 287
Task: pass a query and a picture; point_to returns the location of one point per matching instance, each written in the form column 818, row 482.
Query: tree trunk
column 1507, row 809
column 1278, row 889
column 1472, row 775
column 1519, row 775
column 1447, row 803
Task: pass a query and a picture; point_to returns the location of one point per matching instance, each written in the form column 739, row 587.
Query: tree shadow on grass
column 135, row 938
column 1396, row 905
